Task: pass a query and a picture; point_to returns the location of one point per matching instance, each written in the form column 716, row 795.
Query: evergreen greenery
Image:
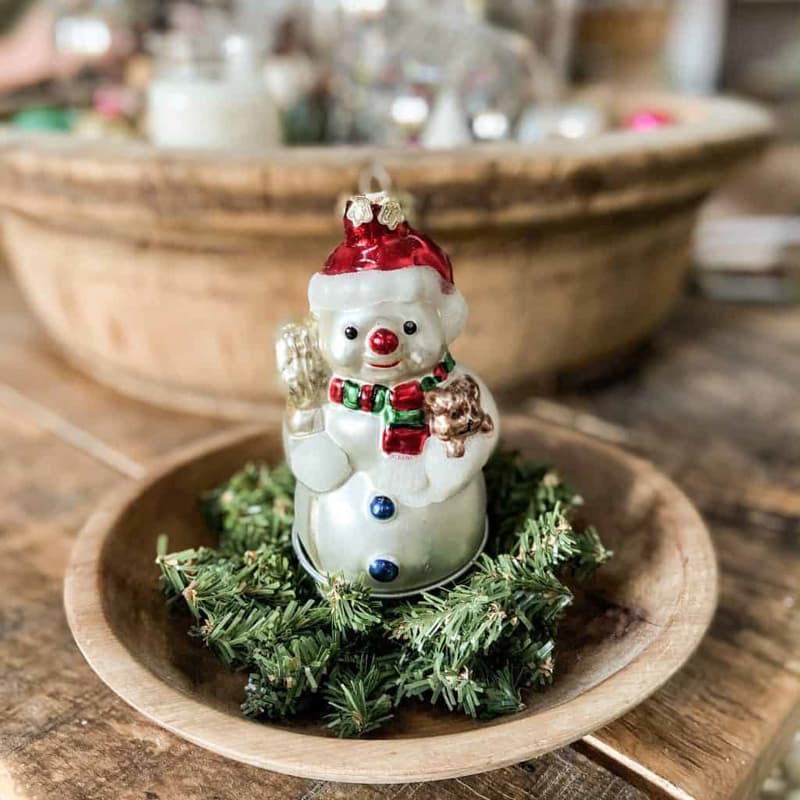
column 475, row 645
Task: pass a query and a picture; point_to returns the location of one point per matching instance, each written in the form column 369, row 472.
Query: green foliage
column 476, row 645
column 359, row 694
column 286, row 672
column 254, row 507
column 350, row 606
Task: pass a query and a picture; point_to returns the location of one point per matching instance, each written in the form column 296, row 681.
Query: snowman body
column 381, row 495
column 401, row 522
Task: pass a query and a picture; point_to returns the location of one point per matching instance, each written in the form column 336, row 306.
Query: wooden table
column 716, row 403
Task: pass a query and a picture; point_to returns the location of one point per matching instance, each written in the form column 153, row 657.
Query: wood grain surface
column 165, row 274
column 715, row 405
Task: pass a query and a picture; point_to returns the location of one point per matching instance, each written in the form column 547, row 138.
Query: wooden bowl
column 164, row 274
column 636, row 623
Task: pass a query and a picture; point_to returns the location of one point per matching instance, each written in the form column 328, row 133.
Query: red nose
column 383, row 342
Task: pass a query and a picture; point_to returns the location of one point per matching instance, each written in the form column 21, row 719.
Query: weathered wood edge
column 254, row 194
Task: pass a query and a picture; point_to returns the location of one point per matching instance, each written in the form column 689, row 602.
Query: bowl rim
column 137, row 189
column 437, row 757
column 700, row 118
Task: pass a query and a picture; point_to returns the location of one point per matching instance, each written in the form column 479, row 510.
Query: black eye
column 410, row 327
column 350, row 332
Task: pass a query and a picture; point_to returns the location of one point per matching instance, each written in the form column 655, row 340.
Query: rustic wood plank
column 61, row 731
column 716, row 406
column 562, row 775
column 38, row 382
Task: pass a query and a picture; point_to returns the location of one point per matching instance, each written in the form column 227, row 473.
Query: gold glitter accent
column 360, row 210
column 391, row 214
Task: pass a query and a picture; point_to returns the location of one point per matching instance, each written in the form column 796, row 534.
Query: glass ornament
column 395, row 61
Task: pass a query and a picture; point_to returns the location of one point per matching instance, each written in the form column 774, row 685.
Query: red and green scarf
column 404, row 428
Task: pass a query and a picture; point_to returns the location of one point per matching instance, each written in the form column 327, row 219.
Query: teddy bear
column 454, row 412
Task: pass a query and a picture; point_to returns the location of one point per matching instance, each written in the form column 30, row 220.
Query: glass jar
column 400, row 63
column 208, row 91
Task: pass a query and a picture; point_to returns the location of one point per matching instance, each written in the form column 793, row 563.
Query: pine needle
column 476, row 646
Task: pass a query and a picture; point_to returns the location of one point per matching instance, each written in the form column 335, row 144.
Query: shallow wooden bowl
column 634, row 625
column 165, row 274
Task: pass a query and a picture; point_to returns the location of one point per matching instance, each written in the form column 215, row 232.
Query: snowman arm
column 448, row 476
column 317, row 461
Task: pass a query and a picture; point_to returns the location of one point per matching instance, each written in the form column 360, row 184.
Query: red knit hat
column 382, row 258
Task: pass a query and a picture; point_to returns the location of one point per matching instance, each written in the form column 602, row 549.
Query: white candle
column 230, row 109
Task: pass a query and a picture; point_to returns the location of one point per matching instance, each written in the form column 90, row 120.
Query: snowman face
column 383, row 343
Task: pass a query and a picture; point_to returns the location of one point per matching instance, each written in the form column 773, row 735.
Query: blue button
column 383, row 570
column 382, row 507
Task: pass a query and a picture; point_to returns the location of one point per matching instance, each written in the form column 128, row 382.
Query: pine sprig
column 286, row 673
column 350, row 605
column 476, row 646
column 592, row 553
column 359, row 695
column 254, row 507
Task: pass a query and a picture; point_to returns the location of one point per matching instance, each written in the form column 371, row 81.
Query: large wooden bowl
column 165, row 274
column 635, row 625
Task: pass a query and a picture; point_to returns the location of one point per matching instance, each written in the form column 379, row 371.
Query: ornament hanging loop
column 374, row 178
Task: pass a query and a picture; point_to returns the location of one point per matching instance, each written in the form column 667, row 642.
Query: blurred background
column 191, row 158
column 381, row 71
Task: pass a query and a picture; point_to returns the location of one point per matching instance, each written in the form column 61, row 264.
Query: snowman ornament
column 385, row 433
